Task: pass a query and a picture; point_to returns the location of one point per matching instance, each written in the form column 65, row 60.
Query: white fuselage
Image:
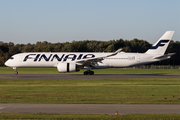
column 51, row 59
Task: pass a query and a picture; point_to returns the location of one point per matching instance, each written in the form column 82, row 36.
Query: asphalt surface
column 87, row 108
column 91, row 108
column 80, row 76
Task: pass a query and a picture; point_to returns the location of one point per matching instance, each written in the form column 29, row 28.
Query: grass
column 20, row 116
column 150, row 90
column 7, row 70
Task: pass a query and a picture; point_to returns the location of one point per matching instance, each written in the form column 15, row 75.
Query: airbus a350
column 74, row 61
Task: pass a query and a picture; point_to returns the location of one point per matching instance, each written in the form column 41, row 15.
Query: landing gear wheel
column 91, row 72
column 85, row 72
column 16, row 73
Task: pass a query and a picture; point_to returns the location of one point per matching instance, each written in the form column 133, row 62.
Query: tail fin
column 161, row 45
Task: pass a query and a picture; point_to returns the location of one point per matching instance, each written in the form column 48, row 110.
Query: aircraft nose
column 6, row 63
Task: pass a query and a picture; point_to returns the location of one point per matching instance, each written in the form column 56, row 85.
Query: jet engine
column 67, row 67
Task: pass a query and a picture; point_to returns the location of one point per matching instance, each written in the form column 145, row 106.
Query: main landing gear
column 88, row 72
column 16, row 72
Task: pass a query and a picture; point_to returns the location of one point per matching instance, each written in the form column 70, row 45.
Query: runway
column 80, row 76
column 91, row 108
column 87, row 108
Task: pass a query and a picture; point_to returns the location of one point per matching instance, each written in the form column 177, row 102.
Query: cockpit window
column 11, row 58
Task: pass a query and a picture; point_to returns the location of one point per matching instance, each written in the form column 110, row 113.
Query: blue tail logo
column 160, row 43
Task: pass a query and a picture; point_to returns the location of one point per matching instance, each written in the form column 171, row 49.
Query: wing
column 92, row 61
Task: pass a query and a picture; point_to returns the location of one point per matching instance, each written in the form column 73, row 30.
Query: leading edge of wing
column 97, row 59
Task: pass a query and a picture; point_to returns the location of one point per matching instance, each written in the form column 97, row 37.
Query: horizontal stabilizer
column 166, row 56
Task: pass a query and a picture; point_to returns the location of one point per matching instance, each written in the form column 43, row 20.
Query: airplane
column 74, row 61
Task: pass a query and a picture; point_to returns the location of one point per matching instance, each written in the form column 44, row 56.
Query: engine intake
column 67, row 67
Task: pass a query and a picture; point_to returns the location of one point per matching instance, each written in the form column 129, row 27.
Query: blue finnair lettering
column 52, row 57
column 88, row 56
column 57, row 57
column 27, row 57
column 72, row 56
column 160, row 43
column 80, row 56
column 37, row 57
column 45, row 58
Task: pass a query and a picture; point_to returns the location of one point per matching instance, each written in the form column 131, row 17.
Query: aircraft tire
column 16, row 73
column 91, row 72
column 85, row 72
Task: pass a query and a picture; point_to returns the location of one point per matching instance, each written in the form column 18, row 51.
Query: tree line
column 135, row 45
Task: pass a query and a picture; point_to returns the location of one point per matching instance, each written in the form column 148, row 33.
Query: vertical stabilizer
column 161, row 45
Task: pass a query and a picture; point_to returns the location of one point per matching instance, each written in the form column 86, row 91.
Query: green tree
column 28, row 48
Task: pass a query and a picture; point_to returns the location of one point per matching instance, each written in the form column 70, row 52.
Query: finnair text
column 62, row 57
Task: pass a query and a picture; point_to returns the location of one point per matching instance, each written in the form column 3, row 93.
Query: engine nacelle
column 67, row 67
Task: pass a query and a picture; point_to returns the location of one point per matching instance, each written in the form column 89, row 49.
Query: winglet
column 115, row 53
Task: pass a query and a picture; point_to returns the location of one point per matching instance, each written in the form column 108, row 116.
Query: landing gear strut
column 16, row 72
column 89, row 72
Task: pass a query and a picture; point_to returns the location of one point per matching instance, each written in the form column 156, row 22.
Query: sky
column 29, row 21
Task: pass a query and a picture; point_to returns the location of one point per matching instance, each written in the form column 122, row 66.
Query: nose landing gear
column 16, row 72
column 89, row 72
